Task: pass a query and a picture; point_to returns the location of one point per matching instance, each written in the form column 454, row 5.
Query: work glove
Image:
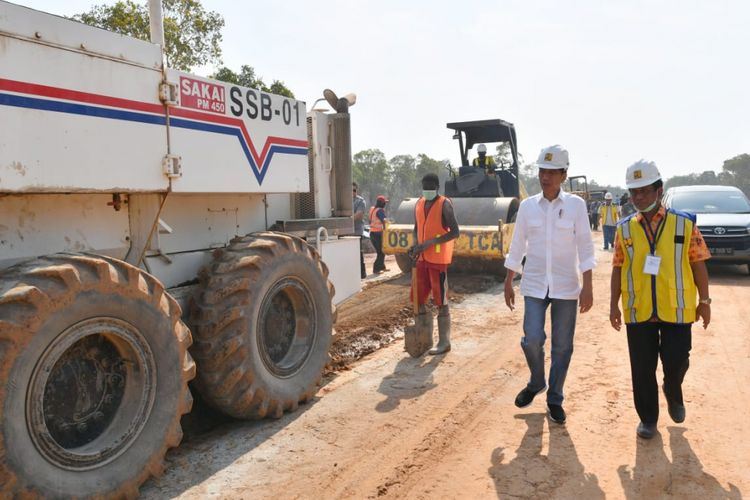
column 414, row 251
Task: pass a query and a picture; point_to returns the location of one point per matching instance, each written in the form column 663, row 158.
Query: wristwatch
column 705, row 301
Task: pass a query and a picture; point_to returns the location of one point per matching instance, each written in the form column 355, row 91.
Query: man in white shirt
column 552, row 231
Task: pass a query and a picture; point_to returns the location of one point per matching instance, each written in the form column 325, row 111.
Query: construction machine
column 136, row 208
column 485, row 203
column 579, row 186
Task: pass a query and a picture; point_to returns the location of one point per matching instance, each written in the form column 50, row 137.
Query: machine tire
column 404, row 263
column 262, row 321
column 98, row 364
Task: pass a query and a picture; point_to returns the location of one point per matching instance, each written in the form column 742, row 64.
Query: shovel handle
column 414, row 290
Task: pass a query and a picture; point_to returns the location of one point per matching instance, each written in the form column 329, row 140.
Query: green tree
column 503, row 155
column 248, row 78
column 192, row 35
column 427, row 165
column 529, row 178
column 404, row 178
column 736, row 170
column 406, row 174
column 707, row 177
column 371, row 171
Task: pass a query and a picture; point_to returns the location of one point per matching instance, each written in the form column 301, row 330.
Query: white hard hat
column 553, row 157
column 481, row 148
column 641, row 173
column 607, row 196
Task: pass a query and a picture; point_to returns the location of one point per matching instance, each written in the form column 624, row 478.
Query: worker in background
column 594, row 214
column 358, row 214
column 658, row 268
column 552, row 231
column 484, row 161
column 626, row 206
column 608, row 216
column 435, row 228
column 377, row 224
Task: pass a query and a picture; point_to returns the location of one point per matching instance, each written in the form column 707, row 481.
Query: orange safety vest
column 376, row 225
column 431, row 226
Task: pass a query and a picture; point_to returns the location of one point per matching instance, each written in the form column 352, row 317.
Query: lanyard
column 653, row 237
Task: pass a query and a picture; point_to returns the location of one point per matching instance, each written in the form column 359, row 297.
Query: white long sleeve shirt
column 555, row 238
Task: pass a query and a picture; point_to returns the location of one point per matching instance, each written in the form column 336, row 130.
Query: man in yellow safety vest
column 483, row 161
column 659, row 270
column 608, row 216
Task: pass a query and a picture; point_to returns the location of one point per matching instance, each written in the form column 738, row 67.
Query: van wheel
column 98, row 360
column 262, row 322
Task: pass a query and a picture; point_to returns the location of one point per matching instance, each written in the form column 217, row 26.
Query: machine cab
column 475, row 182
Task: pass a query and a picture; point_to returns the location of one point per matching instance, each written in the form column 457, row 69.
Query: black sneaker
column 526, row 396
column 646, row 431
column 676, row 410
column 556, row 413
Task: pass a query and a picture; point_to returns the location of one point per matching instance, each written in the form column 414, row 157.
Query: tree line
column 397, row 178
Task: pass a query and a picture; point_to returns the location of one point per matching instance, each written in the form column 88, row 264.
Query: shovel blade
column 418, row 337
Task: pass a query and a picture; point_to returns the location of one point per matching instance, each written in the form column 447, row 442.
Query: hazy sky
column 612, row 81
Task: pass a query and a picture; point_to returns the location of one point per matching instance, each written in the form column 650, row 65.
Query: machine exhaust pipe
column 156, row 22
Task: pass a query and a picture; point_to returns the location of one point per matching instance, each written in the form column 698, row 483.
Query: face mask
column 647, row 209
column 429, row 195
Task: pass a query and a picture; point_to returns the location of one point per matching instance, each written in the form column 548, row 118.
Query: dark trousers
column 377, row 241
column 647, row 342
column 609, row 236
column 362, row 270
column 595, row 222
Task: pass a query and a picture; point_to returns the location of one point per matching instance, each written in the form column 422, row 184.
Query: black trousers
column 362, row 270
column 377, row 242
column 647, row 342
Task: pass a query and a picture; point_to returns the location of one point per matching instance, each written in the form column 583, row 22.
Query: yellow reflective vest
column 671, row 295
column 603, row 213
column 488, row 164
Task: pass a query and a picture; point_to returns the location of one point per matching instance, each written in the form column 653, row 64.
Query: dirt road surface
column 445, row 427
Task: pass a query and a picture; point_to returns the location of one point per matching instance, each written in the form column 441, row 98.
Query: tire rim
column 286, row 328
column 91, row 393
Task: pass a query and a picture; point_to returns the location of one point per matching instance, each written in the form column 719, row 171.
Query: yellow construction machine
column 485, row 203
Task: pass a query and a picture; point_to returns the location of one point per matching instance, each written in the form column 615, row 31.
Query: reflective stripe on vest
column 431, row 226
column 670, row 296
column 376, row 225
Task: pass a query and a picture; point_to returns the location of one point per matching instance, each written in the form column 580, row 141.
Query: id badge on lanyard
column 651, row 266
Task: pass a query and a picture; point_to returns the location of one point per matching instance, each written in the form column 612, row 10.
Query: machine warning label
column 203, row 96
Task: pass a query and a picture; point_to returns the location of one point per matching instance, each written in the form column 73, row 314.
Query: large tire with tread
column 94, row 367
column 262, row 322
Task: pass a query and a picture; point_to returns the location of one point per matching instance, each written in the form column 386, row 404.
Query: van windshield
column 711, row 202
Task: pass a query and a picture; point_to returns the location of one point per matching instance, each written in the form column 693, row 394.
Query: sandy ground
column 445, row 427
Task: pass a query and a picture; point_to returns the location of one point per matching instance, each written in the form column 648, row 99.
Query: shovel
column 418, row 337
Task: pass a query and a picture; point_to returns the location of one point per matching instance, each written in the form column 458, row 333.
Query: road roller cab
column 485, row 201
column 501, row 180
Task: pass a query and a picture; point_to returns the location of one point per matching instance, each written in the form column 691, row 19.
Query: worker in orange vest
column 435, row 228
column 377, row 224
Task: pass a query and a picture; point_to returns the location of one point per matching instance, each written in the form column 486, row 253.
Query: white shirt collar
column 561, row 196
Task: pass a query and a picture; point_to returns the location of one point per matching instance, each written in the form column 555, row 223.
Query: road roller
column 485, row 200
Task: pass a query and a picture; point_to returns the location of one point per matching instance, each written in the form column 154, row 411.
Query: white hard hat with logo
column 641, row 173
column 553, row 157
column 481, row 148
column 607, row 196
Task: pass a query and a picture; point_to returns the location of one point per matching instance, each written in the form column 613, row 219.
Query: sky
column 611, row 81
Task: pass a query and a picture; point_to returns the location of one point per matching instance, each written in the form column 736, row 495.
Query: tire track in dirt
column 429, row 430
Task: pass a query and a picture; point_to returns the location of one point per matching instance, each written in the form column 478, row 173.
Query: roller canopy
column 479, row 131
